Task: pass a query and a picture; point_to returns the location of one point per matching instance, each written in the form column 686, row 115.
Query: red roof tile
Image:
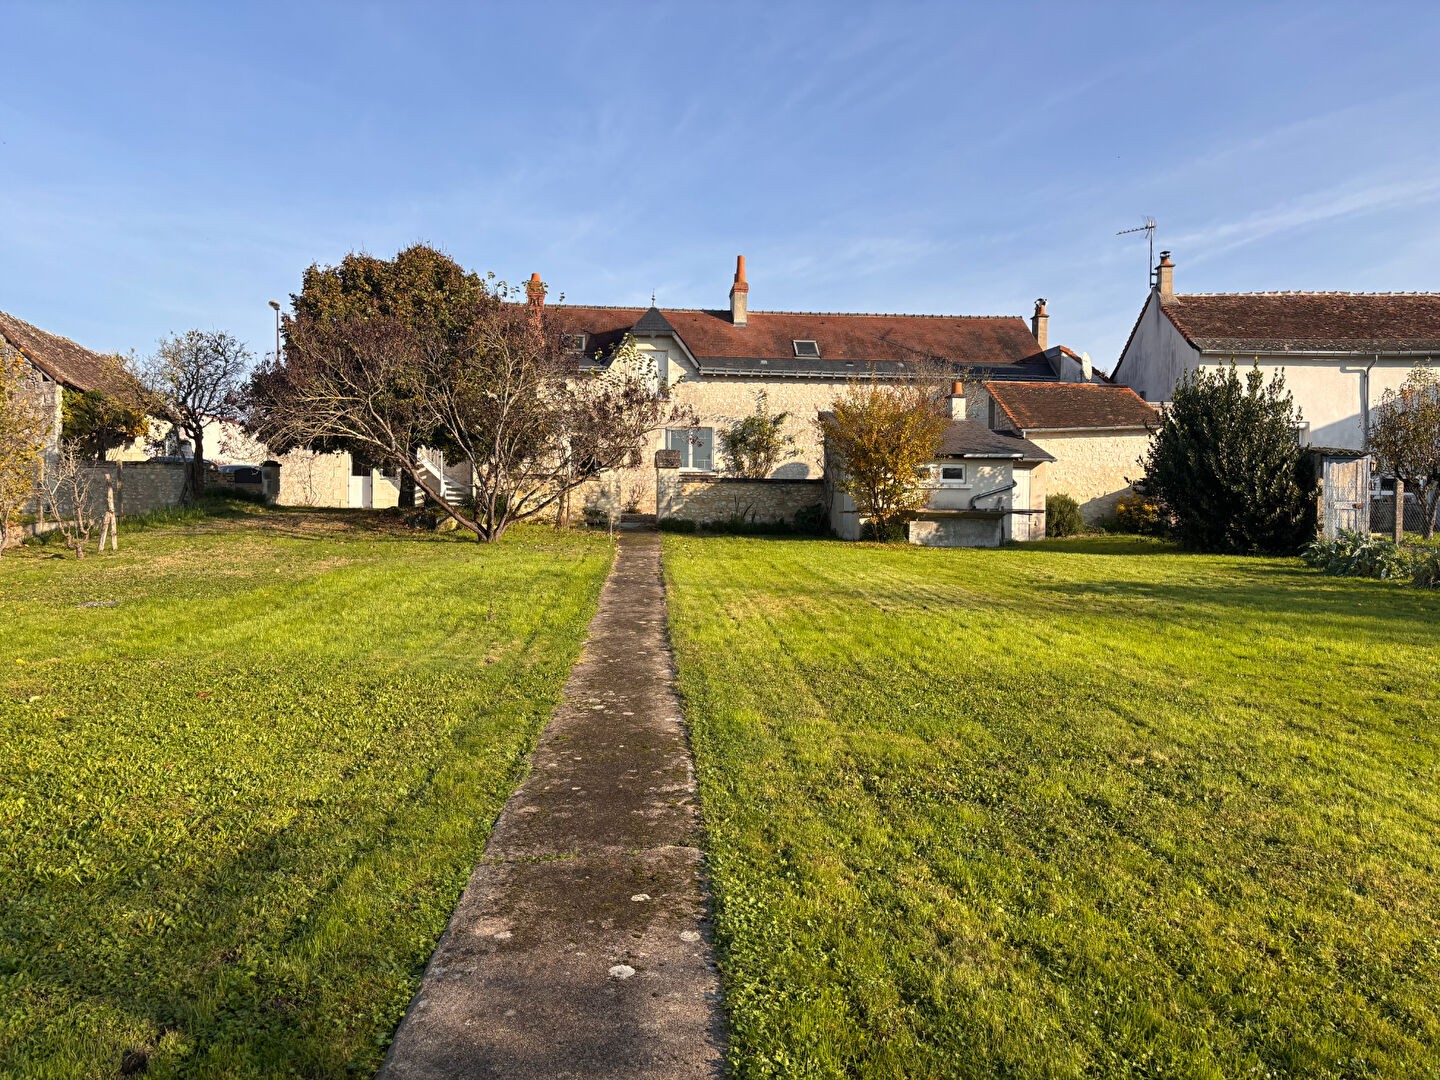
column 60, row 358
column 1299, row 322
column 770, row 335
column 1057, row 406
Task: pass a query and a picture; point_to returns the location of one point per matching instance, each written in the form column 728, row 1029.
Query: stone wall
column 311, row 479
column 149, row 485
column 1093, row 469
column 709, row 500
column 140, row 487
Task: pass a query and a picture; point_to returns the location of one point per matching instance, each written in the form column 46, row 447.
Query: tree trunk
column 195, row 474
column 407, row 490
column 1399, row 510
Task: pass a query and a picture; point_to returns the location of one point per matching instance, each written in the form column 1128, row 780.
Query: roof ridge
column 49, row 334
column 724, row 311
column 1302, row 292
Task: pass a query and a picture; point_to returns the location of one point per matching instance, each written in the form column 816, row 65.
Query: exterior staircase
column 433, row 462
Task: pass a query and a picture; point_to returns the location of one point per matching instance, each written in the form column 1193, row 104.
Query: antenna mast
column 1149, row 230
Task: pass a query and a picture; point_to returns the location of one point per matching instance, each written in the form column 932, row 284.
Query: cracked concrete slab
column 581, row 945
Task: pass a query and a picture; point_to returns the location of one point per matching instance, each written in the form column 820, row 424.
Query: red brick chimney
column 535, row 290
column 1040, row 325
column 1165, row 276
column 739, row 294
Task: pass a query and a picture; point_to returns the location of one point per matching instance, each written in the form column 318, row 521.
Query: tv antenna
column 1149, row 230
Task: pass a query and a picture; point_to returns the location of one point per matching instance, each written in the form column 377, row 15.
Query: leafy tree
column 421, row 288
column 1227, row 468
column 23, row 430
column 98, row 422
column 883, row 437
column 755, row 444
column 1405, row 438
column 497, row 387
column 193, row 379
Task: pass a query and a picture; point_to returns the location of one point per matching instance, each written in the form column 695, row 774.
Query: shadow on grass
column 1278, row 592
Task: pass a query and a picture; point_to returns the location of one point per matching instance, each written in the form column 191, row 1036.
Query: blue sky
column 176, row 166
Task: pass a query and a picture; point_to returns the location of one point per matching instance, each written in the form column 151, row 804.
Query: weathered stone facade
column 1093, row 468
column 710, row 500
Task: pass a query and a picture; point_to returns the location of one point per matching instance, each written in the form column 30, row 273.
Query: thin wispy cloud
column 1330, row 205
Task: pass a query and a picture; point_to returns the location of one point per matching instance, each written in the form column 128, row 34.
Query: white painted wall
column 1333, row 393
column 1157, row 355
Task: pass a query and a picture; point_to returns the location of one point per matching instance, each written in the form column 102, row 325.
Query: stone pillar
column 270, row 480
column 667, row 483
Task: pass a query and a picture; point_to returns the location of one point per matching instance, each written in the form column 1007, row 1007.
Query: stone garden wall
column 708, row 500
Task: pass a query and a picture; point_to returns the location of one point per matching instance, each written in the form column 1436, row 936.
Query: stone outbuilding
column 1096, row 434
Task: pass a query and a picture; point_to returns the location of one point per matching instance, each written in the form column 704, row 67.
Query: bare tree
column 67, row 490
column 1405, row 437
column 194, row 378
column 495, row 386
column 23, row 429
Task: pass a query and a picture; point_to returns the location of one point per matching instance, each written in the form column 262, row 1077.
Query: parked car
column 240, row 477
column 1383, row 487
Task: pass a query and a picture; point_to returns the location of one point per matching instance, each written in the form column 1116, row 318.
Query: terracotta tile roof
column 60, row 358
column 1057, row 406
column 846, row 340
column 1322, row 322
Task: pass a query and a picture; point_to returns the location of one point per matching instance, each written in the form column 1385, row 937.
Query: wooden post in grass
column 1399, row 510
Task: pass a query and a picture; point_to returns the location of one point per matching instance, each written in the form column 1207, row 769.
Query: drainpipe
column 986, row 494
column 1365, row 402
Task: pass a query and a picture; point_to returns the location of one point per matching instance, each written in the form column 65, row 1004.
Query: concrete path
column 580, row 947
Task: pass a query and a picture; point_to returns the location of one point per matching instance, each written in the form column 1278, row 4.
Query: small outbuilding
column 986, row 487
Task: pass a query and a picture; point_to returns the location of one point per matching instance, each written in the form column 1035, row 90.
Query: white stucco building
column 1339, row 351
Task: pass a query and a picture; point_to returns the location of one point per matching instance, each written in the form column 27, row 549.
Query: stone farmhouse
column 718, row 360
column 1339, row 351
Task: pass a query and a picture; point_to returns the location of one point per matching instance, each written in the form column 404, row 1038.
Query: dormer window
column 807, row 350
column 574, row 343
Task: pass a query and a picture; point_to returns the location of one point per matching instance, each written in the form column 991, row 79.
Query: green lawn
column 1079, row 809
column 239, row 799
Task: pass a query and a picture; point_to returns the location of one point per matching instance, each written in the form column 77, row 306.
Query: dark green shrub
column 1227, row 469
column 1425, row 567
column 895, row 533
column 1062, row 516
column 1353, row 554
column 677, row 525
column 812, row 520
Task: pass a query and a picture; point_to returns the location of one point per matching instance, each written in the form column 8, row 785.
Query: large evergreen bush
column 1227, row 467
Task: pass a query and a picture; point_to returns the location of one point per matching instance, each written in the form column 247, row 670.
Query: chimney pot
column 535, row 290
column 1040, row 325
column 740, row 294
column 1165, row 276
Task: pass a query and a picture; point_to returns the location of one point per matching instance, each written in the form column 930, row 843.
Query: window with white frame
column 696, row 447
column 949, row 475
